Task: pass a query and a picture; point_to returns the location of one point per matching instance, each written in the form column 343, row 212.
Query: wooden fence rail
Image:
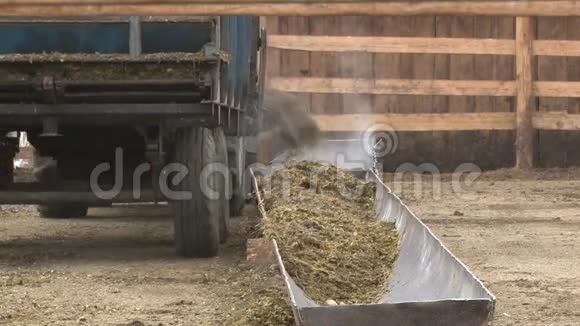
column 285, row 7
column 394, row 86
column 419, row 87
column 446, row 121
column 523, row 88
column 419, row 45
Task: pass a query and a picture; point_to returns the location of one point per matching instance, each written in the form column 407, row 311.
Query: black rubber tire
column 47, row 173
column 196, row 220
column 62, row 211
column 6, row 167
column 237, row 202
column 223, row 182
column 238, row 196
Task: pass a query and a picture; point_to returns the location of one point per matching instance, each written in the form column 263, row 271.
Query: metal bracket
column 211, row 52
column 50, row 127
column 49, row 89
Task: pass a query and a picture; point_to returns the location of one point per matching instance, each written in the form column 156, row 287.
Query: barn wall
column 489, row 149
column 558, row 148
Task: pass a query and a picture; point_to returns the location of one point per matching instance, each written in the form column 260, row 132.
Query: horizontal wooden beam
column 377, row 2
column 557, row 48
column 556, row 121
column 284, row 8
column 419, row 87
column 140, row 2
column 394, row 86
column 375, row 44
column 392, row 44
column 445, row 121
column 418, row 121
column 556, row 89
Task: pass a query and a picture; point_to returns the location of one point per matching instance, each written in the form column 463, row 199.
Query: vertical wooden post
column 525, row 96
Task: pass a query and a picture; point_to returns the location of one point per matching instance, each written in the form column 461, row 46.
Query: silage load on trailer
column 98, row 71
column 324, row 222
column 91, row 66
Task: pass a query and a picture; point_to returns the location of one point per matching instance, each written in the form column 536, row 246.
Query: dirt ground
column 518, row 232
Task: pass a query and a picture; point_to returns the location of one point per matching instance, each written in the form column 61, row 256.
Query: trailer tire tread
column 224, row 183
column 47, row 173
column 6, row 167
column 62, row 211
column 196, row 221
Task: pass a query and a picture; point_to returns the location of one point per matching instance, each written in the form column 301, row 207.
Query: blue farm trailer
column 132, row 109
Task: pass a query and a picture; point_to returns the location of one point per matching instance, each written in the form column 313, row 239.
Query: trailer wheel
column 223, row 186
column 6, row 167
column 238, row 166
column 62, row 210
column 46, row 172
column 196, row 219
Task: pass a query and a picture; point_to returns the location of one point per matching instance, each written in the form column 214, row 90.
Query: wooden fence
column 287, row 7
column 528, row 53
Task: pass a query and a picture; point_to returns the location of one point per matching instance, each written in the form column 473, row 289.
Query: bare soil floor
column 519, row 232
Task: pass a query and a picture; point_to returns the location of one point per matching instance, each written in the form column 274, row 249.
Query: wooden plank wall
column 488, row 149
column 558, row 148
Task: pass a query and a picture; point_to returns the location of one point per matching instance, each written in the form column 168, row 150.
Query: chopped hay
column 95, row 66
column 324, row 221
column 270, row 309
column 98, row 70
column 266, row 302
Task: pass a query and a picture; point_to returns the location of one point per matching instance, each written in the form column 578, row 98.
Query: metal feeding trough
column 428, row 286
